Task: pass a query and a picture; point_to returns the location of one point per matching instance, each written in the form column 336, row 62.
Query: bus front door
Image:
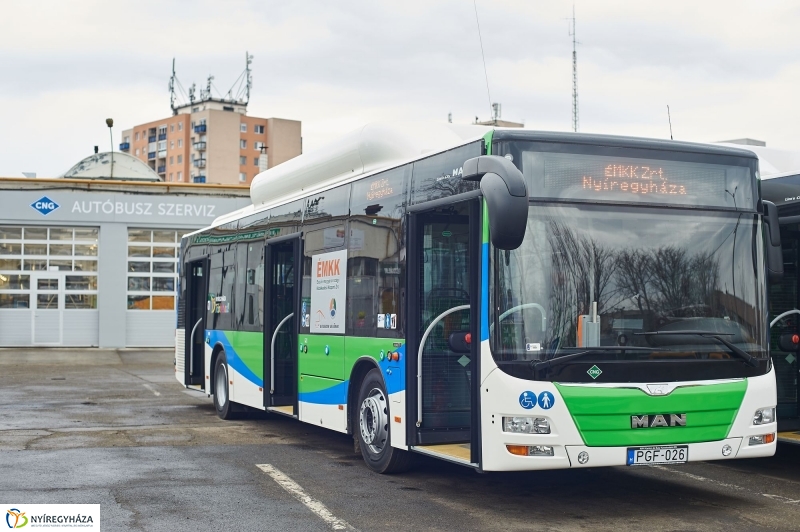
column 443, row 290
column 281, row 294
column 197, row 295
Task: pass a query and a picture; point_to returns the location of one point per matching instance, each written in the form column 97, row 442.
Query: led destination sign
column 614, row 178
column 380, row 188
column 634, row 179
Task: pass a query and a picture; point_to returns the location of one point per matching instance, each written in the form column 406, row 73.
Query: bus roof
column 379, row 146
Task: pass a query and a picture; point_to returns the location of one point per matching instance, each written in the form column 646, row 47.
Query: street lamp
column 110, row 124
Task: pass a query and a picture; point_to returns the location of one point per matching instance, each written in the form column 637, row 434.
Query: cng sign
column 45, row 205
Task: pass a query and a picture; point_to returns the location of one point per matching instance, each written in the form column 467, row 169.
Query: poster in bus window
column 328, row 291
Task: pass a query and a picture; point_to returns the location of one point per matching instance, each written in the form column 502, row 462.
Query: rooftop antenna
column 206, row 94
column 248, row 60
column 670, row 123
column 177, row 94
column 449, row 118
column 486, row 75
column 191, row 93
column 574, row 74
column 240, row 90
column 172, row 88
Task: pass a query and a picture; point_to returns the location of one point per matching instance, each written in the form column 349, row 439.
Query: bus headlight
column 526, row 425
column 764, row 415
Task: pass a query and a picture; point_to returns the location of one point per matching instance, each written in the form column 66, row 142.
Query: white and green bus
column 503, row 299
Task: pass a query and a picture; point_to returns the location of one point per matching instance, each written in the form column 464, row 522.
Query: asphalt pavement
column 116, row 429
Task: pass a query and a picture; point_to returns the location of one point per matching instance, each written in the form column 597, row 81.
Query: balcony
column 151, row 155
column 124, row 146
column 162, row 136
column 199, row 179
column 162, row 154
column 199, row 163
column 151, row 138
column 199, row 146
column 162, row 169
column 200, row 128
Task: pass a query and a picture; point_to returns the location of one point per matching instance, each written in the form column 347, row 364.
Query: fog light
column 540, row 450
column 764, row 416
column 762, row 439
column 583, row 457
column 531, row 450
column 526, row 425
column 726, row 450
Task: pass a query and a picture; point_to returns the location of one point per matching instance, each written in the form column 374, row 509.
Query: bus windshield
column 603, row 276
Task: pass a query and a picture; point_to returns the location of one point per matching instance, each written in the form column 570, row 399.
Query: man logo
column 45, row 205
column 658, row 420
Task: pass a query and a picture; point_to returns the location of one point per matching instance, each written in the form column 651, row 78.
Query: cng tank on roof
column 369, row 148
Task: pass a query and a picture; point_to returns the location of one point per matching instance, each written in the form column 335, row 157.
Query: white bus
column 503, row 299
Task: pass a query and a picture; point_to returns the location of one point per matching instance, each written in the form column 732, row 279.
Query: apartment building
column 213, row 141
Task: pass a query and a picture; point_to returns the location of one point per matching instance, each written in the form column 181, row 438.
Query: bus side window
column 376, row 254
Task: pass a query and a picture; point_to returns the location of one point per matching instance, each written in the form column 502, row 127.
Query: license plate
column 673, row 454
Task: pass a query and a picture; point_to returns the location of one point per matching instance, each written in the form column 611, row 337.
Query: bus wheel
column 374, row 428
column 221, row 396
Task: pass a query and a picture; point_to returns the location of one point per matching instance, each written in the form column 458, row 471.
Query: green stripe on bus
column 487, row 141
column 603, row 415
column 249, row 346
column 310, row 383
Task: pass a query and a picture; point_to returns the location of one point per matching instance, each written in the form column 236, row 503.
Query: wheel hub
column 221, row 389
column 373, row 421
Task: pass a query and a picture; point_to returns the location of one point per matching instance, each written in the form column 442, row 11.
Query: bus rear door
column 281, row 304
column 197, row 295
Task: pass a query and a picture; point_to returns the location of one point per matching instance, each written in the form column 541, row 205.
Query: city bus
column 504, row 299
column 781, row 185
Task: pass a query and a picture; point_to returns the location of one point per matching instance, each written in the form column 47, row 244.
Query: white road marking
column 698, row 477
column 313, row 504
column 156, row 393
column 780, row 498
column 777, row 498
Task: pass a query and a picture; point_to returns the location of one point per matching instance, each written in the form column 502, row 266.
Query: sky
column 727, row 69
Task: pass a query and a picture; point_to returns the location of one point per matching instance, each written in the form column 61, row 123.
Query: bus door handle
column 272, row 354
column 419, row 356
column 191, row 347
column 781, row 316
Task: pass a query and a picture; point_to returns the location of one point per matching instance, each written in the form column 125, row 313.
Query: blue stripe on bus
column 485, row 292
column 234, row 362
column 335, row 395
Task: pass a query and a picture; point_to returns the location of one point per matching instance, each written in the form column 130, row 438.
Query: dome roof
column 98, row 166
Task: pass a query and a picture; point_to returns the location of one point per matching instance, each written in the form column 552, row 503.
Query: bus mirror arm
column 506, row 194
column 774, row 251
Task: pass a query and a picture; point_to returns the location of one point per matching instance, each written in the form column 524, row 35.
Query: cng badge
column 45, row 205
column 594, row 372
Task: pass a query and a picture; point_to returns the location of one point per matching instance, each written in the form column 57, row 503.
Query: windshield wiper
column 718, row 336
column 566, row 358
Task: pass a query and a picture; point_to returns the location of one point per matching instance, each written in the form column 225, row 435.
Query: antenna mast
column 248, row 76
column 574, row 74
column 172, row 88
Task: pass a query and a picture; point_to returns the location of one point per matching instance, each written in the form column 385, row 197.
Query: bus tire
column 373, row 429
column 222, row 399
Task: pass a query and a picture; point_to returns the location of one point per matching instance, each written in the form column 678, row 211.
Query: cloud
column 726, row 69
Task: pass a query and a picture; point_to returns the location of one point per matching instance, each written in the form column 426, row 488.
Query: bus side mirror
column 774, row 251
column 506, row 194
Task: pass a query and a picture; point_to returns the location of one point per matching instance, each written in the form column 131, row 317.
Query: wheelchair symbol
column 527, row 400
